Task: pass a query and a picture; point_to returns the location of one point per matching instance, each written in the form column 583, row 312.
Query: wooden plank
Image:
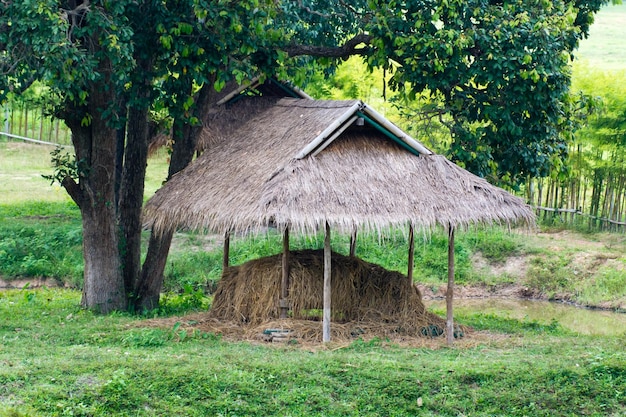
column 450, row 290
column 284, row 282
column 327, row 293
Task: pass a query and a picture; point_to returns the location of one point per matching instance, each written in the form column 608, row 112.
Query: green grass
column 604, row 49
column 21, row 170
column 22, row 167
column 41, row 240
column 609, row 284
column 59, row 360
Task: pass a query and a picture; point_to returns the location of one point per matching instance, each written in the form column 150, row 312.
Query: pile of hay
column 366, row 298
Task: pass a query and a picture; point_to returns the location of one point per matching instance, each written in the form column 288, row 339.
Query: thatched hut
column 307, row 165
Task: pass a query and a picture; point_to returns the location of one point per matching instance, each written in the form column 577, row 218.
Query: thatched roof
column 231, row 92
column 301, row 163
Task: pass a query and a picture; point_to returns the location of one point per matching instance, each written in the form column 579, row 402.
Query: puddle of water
column 580, row 320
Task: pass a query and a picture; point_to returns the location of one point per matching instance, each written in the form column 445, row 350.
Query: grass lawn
column 604, row 49
column 59, row 360
column 21, row 169
column 23, row 165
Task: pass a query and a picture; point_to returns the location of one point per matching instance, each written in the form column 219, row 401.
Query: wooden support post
column 327, row 293
column 284, row 282
column 450, row 290
column 353, row 243
column 409, row 273
column 226, row 251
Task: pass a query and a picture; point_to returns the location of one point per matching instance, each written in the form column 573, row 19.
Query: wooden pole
column 409, row 273
column 327, row 294
column 353, row 243
column 284, row 282
column 226, row 250
column 450, row 290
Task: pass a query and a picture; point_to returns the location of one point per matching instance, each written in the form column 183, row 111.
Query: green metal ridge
column 388, row 133
column 287, row 90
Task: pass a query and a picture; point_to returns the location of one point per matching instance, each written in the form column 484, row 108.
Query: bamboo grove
column 588, row 188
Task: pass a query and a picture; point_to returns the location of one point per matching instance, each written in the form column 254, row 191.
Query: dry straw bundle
column 366, row 298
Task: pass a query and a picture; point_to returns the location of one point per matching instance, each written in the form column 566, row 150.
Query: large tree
column 495, row 73
column 108, row 63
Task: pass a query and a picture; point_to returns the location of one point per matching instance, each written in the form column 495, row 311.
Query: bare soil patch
column 19, row 283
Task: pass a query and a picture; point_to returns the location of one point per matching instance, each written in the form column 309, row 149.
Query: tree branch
column 344, row 51
column 73, row 190
column 310, row 11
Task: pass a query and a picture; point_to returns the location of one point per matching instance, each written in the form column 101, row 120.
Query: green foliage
column 65, row 166
column 198, row 269
column 606, row 127
column 189, row 300
column 475, row 58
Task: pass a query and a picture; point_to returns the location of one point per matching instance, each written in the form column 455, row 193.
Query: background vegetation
column 43, row 239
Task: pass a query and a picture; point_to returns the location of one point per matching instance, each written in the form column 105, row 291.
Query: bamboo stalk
column 41, row 126
column 539, row 192
column 26, row 122
column 50, row 131
column 56, row 131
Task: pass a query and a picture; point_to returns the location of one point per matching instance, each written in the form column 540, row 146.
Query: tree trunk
column 103, row 287
column 131, row 194
column 149, row 286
